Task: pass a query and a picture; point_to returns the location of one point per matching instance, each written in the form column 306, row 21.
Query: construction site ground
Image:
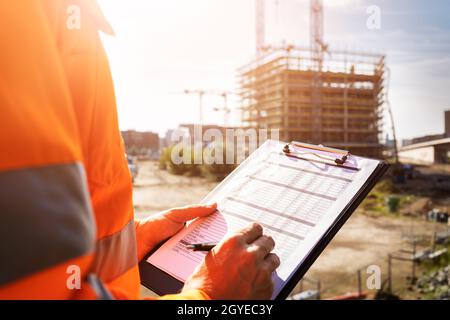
column 364, row 240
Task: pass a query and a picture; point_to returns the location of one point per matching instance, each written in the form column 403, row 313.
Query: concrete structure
column 432, row 137
column 429, row 149
column 427, row 138
column 336, row 102
column 426, row 153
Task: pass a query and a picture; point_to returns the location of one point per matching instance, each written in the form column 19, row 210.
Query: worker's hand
column 239, row 267
column 153, row 230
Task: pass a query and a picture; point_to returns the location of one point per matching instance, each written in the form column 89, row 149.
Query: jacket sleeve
column 47, row 231
column 187, row 295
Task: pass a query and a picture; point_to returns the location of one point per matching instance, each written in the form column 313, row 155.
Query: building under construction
column 335, row 100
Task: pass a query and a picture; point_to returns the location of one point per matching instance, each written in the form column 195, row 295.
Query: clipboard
column 362, row 193
column 162, row 283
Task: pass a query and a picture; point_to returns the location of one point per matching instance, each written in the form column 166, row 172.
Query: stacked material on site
column 436, row 284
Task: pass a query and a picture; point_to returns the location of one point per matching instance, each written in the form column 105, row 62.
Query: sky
column 163, row 47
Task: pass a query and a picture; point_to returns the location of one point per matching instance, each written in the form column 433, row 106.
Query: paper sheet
column 295, row 201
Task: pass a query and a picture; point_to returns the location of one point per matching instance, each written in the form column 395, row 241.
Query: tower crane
column 201, row 93
column 260, row 25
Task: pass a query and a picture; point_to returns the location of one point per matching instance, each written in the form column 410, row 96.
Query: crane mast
column 260, row 25
column 317, row 52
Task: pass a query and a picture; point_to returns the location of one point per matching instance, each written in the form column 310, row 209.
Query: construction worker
column 65, row 189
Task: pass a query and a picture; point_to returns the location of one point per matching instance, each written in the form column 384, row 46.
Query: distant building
column 429, row 149
column 388, row 142
column 172, row 137
column 140, row 143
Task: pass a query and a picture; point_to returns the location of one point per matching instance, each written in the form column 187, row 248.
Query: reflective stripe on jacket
column 65, row 187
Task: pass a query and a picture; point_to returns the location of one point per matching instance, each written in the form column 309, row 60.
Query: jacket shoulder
column 64, row 11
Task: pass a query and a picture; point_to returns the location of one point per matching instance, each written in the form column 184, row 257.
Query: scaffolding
column 337, row 102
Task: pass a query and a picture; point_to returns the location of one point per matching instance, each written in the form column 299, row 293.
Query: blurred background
column 371, row 77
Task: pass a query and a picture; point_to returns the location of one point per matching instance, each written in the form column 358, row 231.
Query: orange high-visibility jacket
column 65, row 188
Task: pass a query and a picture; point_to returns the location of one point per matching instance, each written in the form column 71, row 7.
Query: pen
column 205, row 246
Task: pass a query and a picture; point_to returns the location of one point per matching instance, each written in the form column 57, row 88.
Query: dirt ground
column 156, row 190
column 363, row 240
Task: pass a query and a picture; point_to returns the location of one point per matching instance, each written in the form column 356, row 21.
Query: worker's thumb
column 183, row 214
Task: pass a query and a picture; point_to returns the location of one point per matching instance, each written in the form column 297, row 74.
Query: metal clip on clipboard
column 340, row 159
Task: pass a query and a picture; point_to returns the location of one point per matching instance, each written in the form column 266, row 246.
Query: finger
column 272, row 261
column 262, row 246
column 180, row 215
column 251, row 232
